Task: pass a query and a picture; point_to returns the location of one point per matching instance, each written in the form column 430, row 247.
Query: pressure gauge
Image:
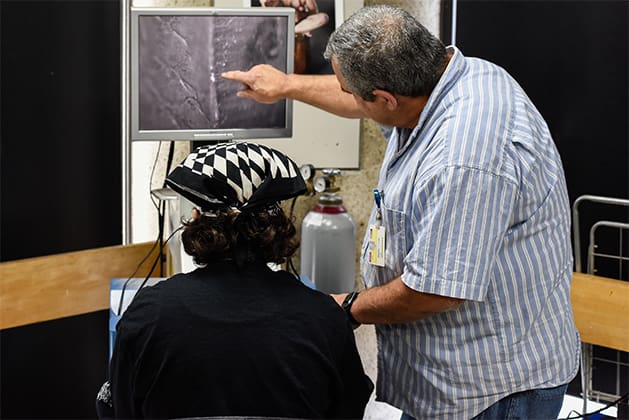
column 321, row 183
column 307, row 171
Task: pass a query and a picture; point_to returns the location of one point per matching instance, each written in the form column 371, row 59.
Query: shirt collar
column 455, row 68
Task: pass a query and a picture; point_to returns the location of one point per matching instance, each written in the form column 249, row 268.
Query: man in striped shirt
column 471, row 298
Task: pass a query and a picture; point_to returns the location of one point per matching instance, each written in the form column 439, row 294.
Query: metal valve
column 308, row 173
column 327, row 181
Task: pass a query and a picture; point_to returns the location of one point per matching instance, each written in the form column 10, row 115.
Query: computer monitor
column 177, row 57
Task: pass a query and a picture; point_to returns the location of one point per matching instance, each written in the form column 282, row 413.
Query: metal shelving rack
column 597, row 256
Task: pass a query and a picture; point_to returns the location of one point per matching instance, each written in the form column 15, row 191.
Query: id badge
column 376, row 246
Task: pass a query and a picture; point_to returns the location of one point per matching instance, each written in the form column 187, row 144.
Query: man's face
column 376, row 110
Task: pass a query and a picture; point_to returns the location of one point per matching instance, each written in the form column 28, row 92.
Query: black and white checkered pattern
column 237, row 174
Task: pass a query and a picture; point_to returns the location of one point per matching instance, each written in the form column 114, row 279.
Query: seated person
column 234, row 337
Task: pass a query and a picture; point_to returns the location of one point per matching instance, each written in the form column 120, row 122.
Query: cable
column 292, row 267
column 292, row 207
column 169, row 160
column 161, row 211
column 290, row 259
column 611, row 404
column 161, row 215
column 159, row 147
column 124, row 286
column 158, row 257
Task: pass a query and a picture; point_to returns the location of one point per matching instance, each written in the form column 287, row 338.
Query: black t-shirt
column 224, row 342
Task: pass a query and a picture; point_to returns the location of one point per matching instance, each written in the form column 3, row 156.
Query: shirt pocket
column 394, row 222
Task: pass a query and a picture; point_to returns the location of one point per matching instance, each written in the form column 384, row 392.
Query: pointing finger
column 236, row 75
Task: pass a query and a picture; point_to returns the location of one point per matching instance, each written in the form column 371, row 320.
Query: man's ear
column 390, row 99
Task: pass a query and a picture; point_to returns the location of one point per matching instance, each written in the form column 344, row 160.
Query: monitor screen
column 177, row 57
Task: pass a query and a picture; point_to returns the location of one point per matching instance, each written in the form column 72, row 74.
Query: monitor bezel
column 221, row 134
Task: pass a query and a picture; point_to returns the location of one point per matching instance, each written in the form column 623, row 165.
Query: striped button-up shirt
column 475, row 206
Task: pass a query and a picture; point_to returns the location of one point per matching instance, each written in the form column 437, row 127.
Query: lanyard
column 377, row 196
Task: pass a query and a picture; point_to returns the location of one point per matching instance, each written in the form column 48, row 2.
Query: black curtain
column 60, row 103
column 60, row 187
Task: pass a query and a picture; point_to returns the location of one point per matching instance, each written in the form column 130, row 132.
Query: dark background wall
column 571, row 57
column 61, row 166
column 60, row 186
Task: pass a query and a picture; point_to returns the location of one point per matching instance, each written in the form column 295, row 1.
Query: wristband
column 347, row 307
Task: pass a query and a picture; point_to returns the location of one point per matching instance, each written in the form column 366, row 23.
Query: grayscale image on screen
column 181, row 59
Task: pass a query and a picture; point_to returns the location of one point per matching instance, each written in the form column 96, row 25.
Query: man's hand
column 302, row 8
column 263, row 83
column 266, row 84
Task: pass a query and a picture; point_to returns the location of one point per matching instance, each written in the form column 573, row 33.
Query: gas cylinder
column 328, row 246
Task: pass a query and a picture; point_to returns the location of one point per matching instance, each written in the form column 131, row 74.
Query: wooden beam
column 601, row 310
column 45, row 288
column 56, row 286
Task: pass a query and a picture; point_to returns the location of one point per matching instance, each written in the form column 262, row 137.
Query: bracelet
column 347, row 307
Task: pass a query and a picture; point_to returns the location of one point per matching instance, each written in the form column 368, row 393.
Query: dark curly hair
column 266, row 235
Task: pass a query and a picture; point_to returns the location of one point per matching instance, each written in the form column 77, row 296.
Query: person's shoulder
column 485, row 93
column 324, row 303
column 153, row 288
column 481, row 80
column 308, row 291
column 477, row 66
column 151, row 295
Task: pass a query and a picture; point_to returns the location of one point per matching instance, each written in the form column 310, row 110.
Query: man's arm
column 266, row 84
column 395, row 302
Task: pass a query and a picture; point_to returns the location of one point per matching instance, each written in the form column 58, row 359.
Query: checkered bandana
column 240, row 175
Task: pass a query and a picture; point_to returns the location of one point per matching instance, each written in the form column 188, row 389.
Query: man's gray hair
column 384, row 47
